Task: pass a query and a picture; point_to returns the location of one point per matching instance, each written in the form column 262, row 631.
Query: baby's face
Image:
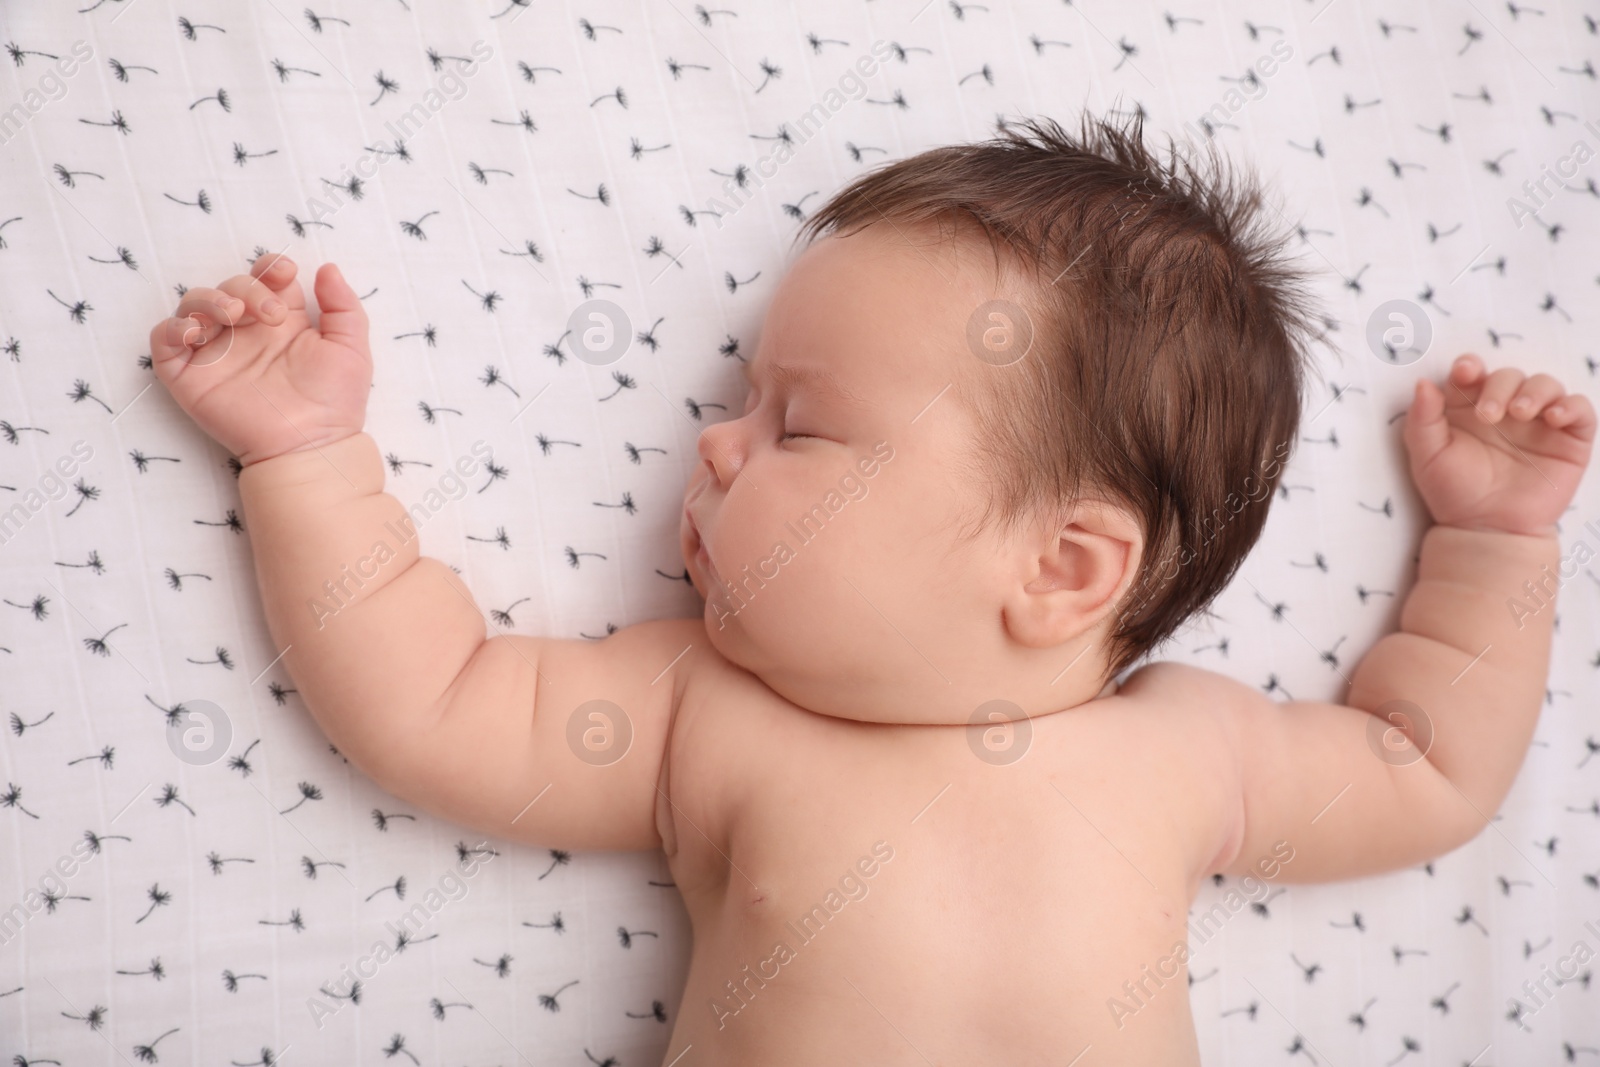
column 833, row 506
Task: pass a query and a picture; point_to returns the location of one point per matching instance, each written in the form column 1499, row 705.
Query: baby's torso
column 910, row 895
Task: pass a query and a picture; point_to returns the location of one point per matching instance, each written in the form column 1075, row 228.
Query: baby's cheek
column 788, row 571
column 772, row 590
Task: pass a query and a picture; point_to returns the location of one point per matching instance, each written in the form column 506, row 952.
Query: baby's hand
column 255, row 374
column 1498, row 451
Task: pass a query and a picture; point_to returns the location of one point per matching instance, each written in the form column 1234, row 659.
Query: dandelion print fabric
column 191, row 874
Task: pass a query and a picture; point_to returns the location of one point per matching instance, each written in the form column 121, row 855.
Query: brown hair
column 1171, row 339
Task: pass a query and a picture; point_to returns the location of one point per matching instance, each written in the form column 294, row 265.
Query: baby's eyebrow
column 824, row 380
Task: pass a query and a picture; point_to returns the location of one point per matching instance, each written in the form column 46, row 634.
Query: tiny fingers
column 274, row 270
column 1533, row 397
column 174, row 337
column 278, row 273
column 221, row 308
column 1426, row 430
column 260, row 303
column 1573, row 413
column 1498, row 390
column 1466, row 370
column 1507, row 392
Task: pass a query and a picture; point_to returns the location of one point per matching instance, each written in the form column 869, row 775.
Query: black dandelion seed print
column 38, row 607
column 658, row 1012
column 69, row 178
column 169, row 796
column 115, row 122
column 201, row 200
column 94, row 1018
column 530, row 251
column 78, row 311
column 307, row 792
column 551, row 1001
column 500, row 537
column 92, row 563
column 241, row 156
column 12, row 798
column 119, row 70
column 218, row 862
column 523, row 121
column 232, row 983
column 488, row 300
column 481, row 174
column 220, row 98
column 241, row 761
column 106, row 757
column 1428, row 161
column 98, row 645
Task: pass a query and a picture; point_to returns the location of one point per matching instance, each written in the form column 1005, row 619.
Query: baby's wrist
column 252, row 457
column 349, row 465
column 1548, row 531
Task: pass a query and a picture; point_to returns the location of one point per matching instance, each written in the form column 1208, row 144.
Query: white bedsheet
column 190, row 136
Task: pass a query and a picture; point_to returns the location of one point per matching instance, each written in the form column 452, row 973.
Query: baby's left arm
column 1439, row 714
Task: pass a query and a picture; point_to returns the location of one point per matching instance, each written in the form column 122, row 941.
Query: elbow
column 1459, row 827
column 1443, row 817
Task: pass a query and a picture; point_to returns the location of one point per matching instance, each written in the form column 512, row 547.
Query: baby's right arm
column 395, row 665
column 1438, row 715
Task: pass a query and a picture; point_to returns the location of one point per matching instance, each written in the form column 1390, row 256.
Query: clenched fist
column 247, row 365
column 1498, row 450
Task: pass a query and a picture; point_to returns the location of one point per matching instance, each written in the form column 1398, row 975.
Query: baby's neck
column 1033, row 682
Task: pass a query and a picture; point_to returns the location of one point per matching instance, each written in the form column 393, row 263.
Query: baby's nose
column 722, row 446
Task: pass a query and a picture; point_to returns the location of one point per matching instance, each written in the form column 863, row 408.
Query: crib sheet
column 480, row 170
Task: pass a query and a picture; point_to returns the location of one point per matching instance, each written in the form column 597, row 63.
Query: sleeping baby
column 1017, row 412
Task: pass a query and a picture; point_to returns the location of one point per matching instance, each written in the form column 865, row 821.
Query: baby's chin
column 728, row 636
column 761, row 653
column 694, row 578
column 809, row 681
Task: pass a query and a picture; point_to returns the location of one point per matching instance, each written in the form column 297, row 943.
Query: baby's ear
column 1077, row 570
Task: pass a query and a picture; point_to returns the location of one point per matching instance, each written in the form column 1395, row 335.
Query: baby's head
column 1017, row 412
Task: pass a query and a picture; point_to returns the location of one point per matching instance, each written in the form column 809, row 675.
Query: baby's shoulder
column 1201, row 718
column 1199, row 713
column 1182, row 687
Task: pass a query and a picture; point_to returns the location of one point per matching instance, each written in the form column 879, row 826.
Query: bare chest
column 884, row 873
